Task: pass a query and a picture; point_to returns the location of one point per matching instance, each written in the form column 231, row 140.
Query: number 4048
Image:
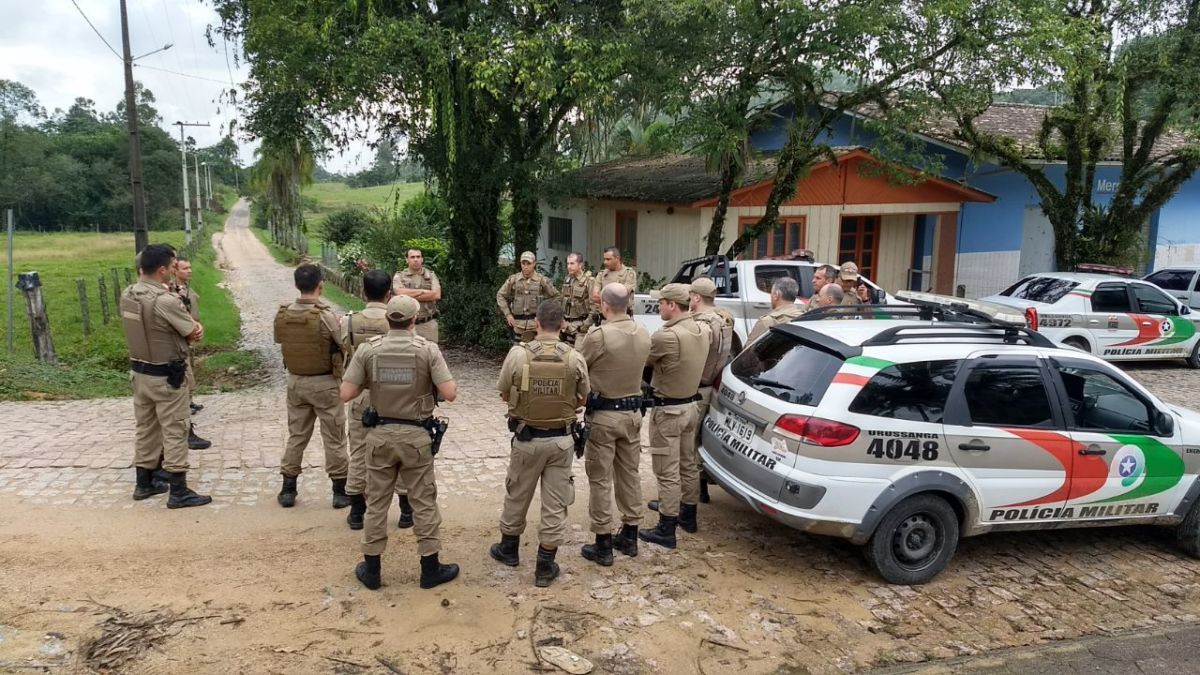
column 896, row 448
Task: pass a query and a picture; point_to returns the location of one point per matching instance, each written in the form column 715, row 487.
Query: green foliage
column 427, row 214
column 469, row 316
column 341, row 226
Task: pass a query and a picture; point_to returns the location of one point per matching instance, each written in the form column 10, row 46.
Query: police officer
column 615, row 353
column 824, row 274
column 157, row 331
column 191, row 300
column 357, row 328
column 614, row 271
column 420, row 283
column 520, row 295
column 677, row 354
column 576, row 299
column 848, row 281
column 544, row 382
column 783, row 306
column 308, row 332
column 404, row 373
column 694, row 484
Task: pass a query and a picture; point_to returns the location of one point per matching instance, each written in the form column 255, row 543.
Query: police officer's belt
column 547, row 433
column 396, row 420
column 153, row 369
column 576, row 318
column 431, row 317
column 662, row 401
column 597, row 402
column 524, row 317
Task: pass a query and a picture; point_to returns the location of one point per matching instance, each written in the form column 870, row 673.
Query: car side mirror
column 878, row 296
column 1164, row 424
column 1184, row 310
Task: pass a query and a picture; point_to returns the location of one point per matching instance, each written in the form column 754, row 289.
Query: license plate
column 740, row 426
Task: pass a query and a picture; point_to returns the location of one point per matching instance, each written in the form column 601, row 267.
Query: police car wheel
column 1193, row 361
column 1078, row 343
column 914, row 541
column 1187, row 535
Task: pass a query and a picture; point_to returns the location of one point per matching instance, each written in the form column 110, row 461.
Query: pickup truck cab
column 743, row 288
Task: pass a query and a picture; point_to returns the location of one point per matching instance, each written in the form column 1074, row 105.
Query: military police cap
column 677, row 293
column 704, row 287
column 849, row 271
column 402, row 308
column 528, row 255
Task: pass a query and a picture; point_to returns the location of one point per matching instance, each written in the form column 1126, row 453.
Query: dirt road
column 88, row 576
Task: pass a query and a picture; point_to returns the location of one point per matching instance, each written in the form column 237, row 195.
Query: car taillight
column 817, row 431
column 1031, row 318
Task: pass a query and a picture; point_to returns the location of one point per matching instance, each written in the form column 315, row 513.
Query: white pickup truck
column 743, row 288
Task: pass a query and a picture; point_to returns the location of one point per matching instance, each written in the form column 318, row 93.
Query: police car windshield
column 784, row 367
column 1040, row 289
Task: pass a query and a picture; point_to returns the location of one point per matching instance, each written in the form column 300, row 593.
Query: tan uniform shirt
column 425, row 280
column 775, row 317
column 577, row 297
column 627, row 276
column 190, row 299
column 720, row 342
column 516, row 359
column 170, row 315
column 677, row 354
column 615, row 354
column 520, row 296
column 374, row 311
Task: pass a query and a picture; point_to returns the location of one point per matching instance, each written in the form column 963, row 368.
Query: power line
column 175, row 72
column 93, row 27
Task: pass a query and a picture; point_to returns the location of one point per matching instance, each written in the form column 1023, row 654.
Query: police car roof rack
column 986, row 312
column 1009, row 335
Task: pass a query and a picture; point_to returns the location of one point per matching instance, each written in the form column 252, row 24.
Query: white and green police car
column 903, row 434
column 1114, row 318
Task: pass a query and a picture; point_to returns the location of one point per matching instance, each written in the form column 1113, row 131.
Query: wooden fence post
column 116, row 290
column 104, row 299
column 39, row 325
column 83, row 307
column 128, row 278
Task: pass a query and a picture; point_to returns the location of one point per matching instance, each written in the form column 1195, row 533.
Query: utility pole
column 199, row 195
column 140, row 235
column 187, row 213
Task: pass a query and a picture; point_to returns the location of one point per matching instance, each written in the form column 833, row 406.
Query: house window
column 560, row 233
column 857, row 243
column 626, row 238
column 780, row 241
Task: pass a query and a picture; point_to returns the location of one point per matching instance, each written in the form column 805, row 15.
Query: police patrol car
column 905, row 433
column 1116, row 319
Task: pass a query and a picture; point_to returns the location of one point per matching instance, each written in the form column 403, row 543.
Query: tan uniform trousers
column 161, row 414
column 525, row 329
column 400, row 453
column 611, row 462
column 672, row 434
column 191, row 374
column 546, row 461
column 427, row 330
column 573, row 331
column 309, row 398
column 690, row 491
column 356, row 475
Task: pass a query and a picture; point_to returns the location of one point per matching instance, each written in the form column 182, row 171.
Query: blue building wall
column 991, row 236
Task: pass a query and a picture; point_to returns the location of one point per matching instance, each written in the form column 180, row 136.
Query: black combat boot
column 434, row 573
column 358, row 509
column 626, row 540
column 687, row 518
column 146, row 486
column 161, row 478
column 340, row 499
column 601, row 552
column 507, row 551
column 652, row 505
column 546, row 570
column 181, row 495
column 703, row 489
column 663, row 534
column 195, row 442
column 196, row 407
column 287, row 494
column 406, row 513
column 367, row 572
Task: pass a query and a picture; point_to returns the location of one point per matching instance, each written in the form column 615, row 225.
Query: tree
column 1136, row 102
column 281, row 170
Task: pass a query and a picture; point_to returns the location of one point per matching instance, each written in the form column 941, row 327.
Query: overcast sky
column 48, row 46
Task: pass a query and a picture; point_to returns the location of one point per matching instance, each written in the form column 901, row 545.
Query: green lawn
column 96, row 365
column 333, row 196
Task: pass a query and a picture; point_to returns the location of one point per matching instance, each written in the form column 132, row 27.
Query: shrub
column 469, row 316
column 426, row 214
column 341, row 226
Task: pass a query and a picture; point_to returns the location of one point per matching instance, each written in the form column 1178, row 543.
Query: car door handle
column 1146, row 323
column 762, row 305
column 1094, row 322
column 1093, row 450
column 977, row 446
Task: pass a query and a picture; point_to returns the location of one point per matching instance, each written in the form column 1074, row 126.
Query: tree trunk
column 716, row 229
column 526, row 217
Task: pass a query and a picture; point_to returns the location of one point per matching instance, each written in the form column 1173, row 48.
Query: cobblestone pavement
column 1000, row 591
